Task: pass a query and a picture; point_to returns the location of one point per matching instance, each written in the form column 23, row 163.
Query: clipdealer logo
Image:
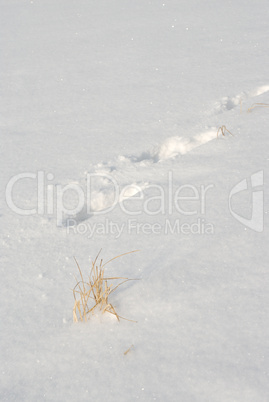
column 255, row 222
column 101, row 193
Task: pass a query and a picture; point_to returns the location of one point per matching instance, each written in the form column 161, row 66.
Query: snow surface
column 133, row 93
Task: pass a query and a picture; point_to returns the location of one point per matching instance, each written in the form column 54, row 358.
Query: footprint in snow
column 228, row 103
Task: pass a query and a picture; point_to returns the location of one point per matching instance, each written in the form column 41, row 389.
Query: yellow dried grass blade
column 121, row 255
column 75, row 308
column 128, row 350
column 126, row 280
column 222, row 129
column 82, row 279
column 257, row 105
column 110, row 309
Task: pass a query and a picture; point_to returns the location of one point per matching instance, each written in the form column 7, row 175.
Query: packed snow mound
column 172, row 147
column 260, row 90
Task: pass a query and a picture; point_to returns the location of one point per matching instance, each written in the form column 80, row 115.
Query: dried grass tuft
column 223, row 129
column 94, row 293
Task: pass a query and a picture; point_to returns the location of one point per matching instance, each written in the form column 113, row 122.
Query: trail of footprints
column 123, row 170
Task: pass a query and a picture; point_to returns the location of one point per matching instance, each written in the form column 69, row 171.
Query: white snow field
column 109, row 113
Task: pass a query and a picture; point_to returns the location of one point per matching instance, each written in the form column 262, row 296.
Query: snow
column 109, row 120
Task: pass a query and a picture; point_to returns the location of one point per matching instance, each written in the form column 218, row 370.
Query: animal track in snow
column 228, row 103
column 116, row 182
column 124, row 169
column 174, row 146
